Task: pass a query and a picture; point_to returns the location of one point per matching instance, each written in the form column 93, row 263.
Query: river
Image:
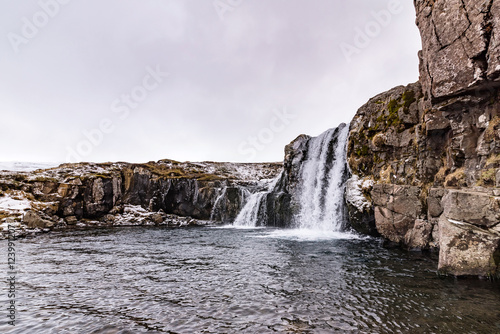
column 228, row 280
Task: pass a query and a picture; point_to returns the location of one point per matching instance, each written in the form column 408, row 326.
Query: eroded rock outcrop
column 432, row 149
column 161, row 193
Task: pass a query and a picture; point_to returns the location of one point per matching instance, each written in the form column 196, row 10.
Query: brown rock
column 391, row 225
column 459, row 44
column 468, row 250
column 420, row 235
column 474, row 208
column 33, row 220
column 434, row 207
column 157, row 218
column 71, row 220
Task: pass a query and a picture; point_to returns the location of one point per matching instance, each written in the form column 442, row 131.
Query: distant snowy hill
column 26, row 166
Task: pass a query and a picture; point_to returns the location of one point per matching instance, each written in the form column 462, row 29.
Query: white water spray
column 322, row 178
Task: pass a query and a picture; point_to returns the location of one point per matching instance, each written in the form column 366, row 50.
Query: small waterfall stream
column 249, row 215
column 322, row 182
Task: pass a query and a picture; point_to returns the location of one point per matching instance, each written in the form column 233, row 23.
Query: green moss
column 393, row 106
column 493, row 161
column 456, row 179
column 167, row 172
column 210, row 177
column 492, row 127
column 362, row 151
column 487, row 178
column 377, row 159
column 361, row 165
column 408, row 98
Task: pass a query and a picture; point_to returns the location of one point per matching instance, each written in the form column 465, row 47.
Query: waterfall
column 318, row 195
column 220, row 208
column 322, row 175
column 254, row 208
column 217, row 203
column 249, row 215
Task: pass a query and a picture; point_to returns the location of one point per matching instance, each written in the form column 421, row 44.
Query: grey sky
column 232, row 65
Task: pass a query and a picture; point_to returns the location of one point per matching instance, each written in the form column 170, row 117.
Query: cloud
column 226, row 76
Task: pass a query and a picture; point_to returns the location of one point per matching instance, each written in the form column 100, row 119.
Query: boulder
column 480, row 209
column 460, row 44
column 71, row 220
column 467, row 250
column 434, row 207
column 419, row 236
column 359, row 206
column 33, row 220
column 157, row 218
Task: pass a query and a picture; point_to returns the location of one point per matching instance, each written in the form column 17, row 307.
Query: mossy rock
column 488, row 178
column 456, row 179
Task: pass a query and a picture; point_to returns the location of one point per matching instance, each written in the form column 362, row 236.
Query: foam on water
column 237, row 227
column 303, row 234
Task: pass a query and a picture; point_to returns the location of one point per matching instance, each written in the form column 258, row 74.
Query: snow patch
column 16, row 166
column 8, row 203
column 354, row 192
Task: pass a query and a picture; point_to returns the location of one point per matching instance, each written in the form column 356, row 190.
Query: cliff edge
column 425, row 158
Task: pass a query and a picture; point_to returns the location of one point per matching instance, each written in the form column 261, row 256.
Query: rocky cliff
column 425, row 158
column 163, row 192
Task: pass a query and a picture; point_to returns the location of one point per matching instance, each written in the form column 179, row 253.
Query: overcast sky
column 191, row 80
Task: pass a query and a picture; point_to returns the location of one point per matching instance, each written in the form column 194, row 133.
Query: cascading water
column 251, row 213
column 220, row 207
column 322, row 182
column 319, row 193
column 216, row 206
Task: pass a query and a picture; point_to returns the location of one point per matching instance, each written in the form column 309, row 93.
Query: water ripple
column 160, row 280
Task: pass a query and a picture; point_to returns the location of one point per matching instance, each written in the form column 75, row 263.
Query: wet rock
column 359, row 206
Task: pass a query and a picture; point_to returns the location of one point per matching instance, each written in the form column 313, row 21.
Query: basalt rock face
column 425, row 158
column 164, row 192
column 460, row 45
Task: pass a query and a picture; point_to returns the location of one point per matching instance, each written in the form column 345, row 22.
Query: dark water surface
column 213, row 280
